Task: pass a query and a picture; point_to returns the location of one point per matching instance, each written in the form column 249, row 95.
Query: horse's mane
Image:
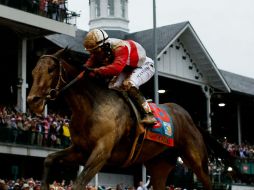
column 73, row 58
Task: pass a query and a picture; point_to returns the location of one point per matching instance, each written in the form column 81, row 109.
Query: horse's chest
column 82, row 141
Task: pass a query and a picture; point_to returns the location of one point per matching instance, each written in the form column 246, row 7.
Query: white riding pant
column 137, row 77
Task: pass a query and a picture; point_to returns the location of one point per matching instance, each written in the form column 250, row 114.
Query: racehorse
column 102, row 123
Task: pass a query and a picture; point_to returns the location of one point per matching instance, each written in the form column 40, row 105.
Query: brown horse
column 101, row 127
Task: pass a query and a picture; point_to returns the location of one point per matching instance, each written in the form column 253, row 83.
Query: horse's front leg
column 68, row 155
column 99, row 156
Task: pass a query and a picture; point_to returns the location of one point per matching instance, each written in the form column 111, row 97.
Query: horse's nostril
column 33, row 98
column 36, row 98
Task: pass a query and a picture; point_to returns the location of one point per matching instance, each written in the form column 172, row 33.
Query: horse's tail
column 218, row 151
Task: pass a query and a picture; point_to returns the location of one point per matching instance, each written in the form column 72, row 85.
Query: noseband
column 54, row 92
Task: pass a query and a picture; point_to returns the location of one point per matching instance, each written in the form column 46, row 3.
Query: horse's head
column 48, row 79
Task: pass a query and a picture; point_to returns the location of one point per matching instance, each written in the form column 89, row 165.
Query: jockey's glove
column 93, row 73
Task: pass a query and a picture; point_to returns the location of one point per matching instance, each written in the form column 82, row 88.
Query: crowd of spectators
column 54, row 9
column 31, row 184
column 243, row 151
column 22, row 128
column 53, row 131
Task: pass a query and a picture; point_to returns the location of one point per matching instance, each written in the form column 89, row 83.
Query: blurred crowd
column 53, row 131
column 22, row 128
column 54, row 9
column 31, row 184
column 243, row 151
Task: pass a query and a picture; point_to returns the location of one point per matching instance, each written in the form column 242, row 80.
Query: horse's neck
column 88, row 95
column 83, row 95
column 70, row 71
column 76, row 97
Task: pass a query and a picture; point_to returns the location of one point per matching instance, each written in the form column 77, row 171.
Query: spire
column 109, row 14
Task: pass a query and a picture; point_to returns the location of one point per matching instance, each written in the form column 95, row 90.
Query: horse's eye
column 51, row 69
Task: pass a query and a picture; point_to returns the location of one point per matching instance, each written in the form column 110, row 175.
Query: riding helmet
column 94, row 39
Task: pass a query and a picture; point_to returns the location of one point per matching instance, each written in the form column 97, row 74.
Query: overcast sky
column 225, row 27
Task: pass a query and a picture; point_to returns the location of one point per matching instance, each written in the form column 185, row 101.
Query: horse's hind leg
column 197, row 160
column 159, row 169
column 68, row 155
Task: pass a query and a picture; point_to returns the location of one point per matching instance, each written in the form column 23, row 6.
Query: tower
column 109, row 14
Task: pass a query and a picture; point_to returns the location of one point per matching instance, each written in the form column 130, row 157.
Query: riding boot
column 148, row 117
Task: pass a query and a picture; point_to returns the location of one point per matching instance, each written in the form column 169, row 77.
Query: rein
column 54, row 92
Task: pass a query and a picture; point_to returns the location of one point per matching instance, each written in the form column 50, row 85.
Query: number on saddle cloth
column 163, row 130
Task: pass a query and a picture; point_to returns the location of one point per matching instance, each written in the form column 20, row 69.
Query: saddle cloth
column 163, row 130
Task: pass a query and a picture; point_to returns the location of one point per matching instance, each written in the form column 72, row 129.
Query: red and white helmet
column 94, row 39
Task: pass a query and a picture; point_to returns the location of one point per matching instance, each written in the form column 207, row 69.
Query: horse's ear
column 66, row 49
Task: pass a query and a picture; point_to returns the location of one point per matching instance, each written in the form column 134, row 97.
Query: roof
column 117, row 34
column 29, row 25
column 202, row 58
column 143, row 37
column 74, row 43
column 239, row 83
column 164, row 34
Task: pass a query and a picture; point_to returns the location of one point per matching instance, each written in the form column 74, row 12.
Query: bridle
column 54, row 92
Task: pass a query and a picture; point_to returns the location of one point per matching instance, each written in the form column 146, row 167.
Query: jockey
column 125, row 61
